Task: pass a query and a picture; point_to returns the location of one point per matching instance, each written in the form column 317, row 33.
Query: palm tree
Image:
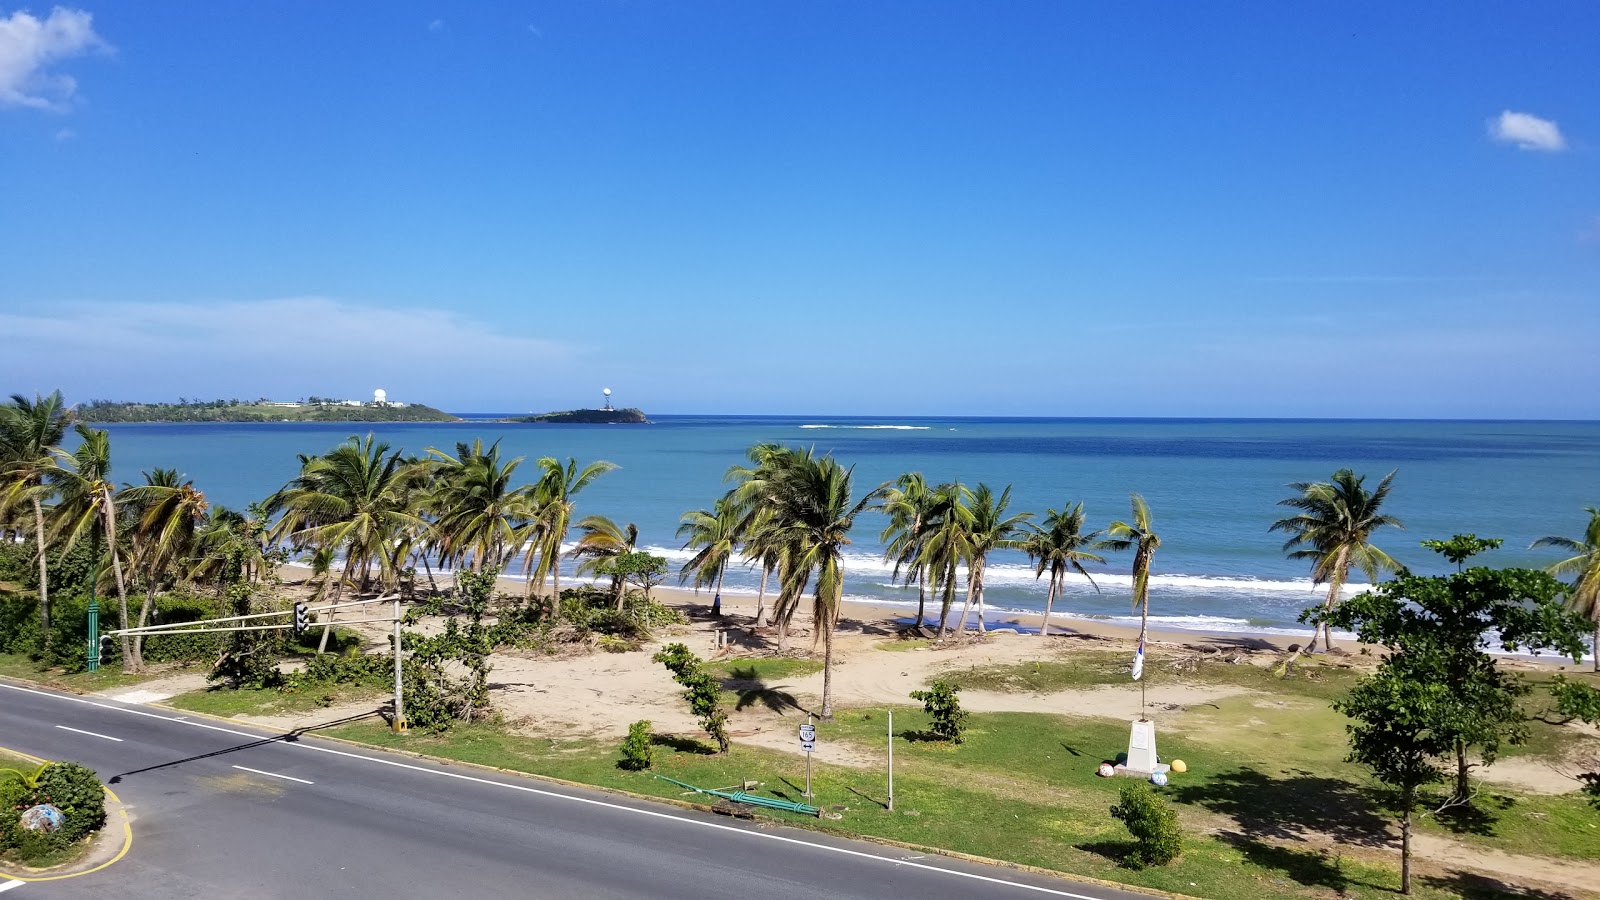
column 946, row 544
column 169, row 514
column 814, row 508
column 759, row 544
column 30, row 436
column 760, row 541
column 226, row 539
column 909, row 504
column 1144, row 542
column 600, row 540
column 1584, row 597
column 477, row 510
column 556, row 491
column 88, row 503
column 714, row 534
column 1061, row 546
column 989, row 530
column 1334, row 530
column 355, row 499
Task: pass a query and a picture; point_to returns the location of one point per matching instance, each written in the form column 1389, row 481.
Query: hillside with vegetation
column 313, row 410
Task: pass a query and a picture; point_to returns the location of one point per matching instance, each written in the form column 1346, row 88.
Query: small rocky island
column 587, row 417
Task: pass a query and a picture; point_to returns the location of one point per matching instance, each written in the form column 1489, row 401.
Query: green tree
column 355, row 498
column 713, row 534
column 908, row 504
column 1154, row 826
column 1060, row 545
column 169, row 513
column 1436, row 629
column 1584, row 567
column 556, row 491
column 88, row 503
column 31, row 432
column 700, row 689
column 1137, row 536
column 1333, row 529
column 947, row 544
column 600, row 543
column 941, row 702
column 1395, row 733
column 988, row 530
column 476, row 507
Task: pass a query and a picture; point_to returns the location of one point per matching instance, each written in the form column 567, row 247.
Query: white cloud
column 66, row 134
column 1528, row 132
column 436, row 25
column 292, row 346
column 28, row 46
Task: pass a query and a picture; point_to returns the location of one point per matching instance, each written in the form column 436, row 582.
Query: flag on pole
column 1138, row 661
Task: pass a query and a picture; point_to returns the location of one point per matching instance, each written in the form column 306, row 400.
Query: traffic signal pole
column 399, row 721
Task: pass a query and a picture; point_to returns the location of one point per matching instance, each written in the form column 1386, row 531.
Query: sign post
column 891, row 760
column 808, row 743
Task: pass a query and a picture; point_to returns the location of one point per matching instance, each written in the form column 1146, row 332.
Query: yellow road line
column 127, row 834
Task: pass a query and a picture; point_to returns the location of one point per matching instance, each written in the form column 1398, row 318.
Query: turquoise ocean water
column 1212, row 486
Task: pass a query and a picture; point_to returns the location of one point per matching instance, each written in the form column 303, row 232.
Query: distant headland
column 587, row 417
column 310, row 409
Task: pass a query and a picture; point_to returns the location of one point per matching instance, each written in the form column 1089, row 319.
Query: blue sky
column 879, row 209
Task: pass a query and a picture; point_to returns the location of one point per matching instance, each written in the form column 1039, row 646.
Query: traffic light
column 302, row 619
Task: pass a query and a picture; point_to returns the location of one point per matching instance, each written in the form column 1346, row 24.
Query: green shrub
column 637, row 750
column 377, row 671
column 19, row 623
column 69, row 787
column 947, row 718
column 701, row 689
column 1154, row 826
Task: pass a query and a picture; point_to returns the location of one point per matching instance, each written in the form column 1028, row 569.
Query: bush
column 637, row 750
column 703, row 692
column 944, row 710
column 1154, row 826
column 175, row 609
column 377, row 671
column 69, row 787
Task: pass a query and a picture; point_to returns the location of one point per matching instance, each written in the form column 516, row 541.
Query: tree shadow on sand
column 753, row 691
column 1291, row 807
column 1311, row 867
column 1472, row 886
column 679, row 744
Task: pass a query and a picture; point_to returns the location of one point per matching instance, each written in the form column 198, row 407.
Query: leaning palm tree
column 814, row 504
column 909, row 504
column 1333, row 530
column 760, row 545
column 600, row 540
column 1137, row 536
column 1061, row 546
column 169, row 514
column 555, row 492
column 989, row 530
column 30, row 436
column 354, row 499
column 946, row 544
column 1584, row 565
column 713, row 534
column 88, row 505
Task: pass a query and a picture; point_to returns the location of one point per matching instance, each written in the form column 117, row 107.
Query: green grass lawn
column 19, row 666
column 272, row 701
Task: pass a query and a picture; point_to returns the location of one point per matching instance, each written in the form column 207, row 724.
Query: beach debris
column 1106, row 771
column 1180, row 766
column 1159, row 779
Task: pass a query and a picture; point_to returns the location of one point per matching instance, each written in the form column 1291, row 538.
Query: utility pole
column 399, row 724
column 891, row 760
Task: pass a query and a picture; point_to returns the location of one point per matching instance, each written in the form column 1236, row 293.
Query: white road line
column 274, row 775
column 89, row 733
column 7, row 884
column 763, row 835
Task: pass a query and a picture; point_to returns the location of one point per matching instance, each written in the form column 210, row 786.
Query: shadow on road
column 286, row 738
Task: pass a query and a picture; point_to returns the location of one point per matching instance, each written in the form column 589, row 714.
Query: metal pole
column 399, row 698
column 891, row 760
column 808, row 764
column 94, row 610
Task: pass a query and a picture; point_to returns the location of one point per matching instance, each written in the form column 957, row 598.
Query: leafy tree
column 1437, row 629
column 1580, row 701
column 713, row 534
column 435, row 699
column 600, row 545
column 989, row 529
column 1153, row 824
column 169, row 513
column 947, row 720
column 946, row 544
column 476, row 508
column 1584, row 565
column 556, row 491
column 88, row 505
column 702, row 691
column 1061, row 546
column 30, row 438
column 1334, row 530
column 908, row 504
column 1144, row 542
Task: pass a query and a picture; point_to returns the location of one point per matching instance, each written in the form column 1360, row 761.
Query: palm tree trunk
column 144, row 616
column 327, row 624
column 1049, row 601
column 981, row 629
column 44, row 571
column 948, row 598
column 716, row 598
column 130, row 657
column 1595, row 649
column 922, row 594
column 966, row 607
column 827, row 656
column 761, row 598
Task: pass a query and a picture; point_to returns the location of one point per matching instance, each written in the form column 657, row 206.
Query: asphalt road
column 221, row 810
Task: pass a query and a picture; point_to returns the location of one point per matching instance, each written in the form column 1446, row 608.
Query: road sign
column 808, row 738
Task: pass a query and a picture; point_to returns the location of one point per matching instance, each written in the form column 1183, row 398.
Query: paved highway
column 221, row 810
